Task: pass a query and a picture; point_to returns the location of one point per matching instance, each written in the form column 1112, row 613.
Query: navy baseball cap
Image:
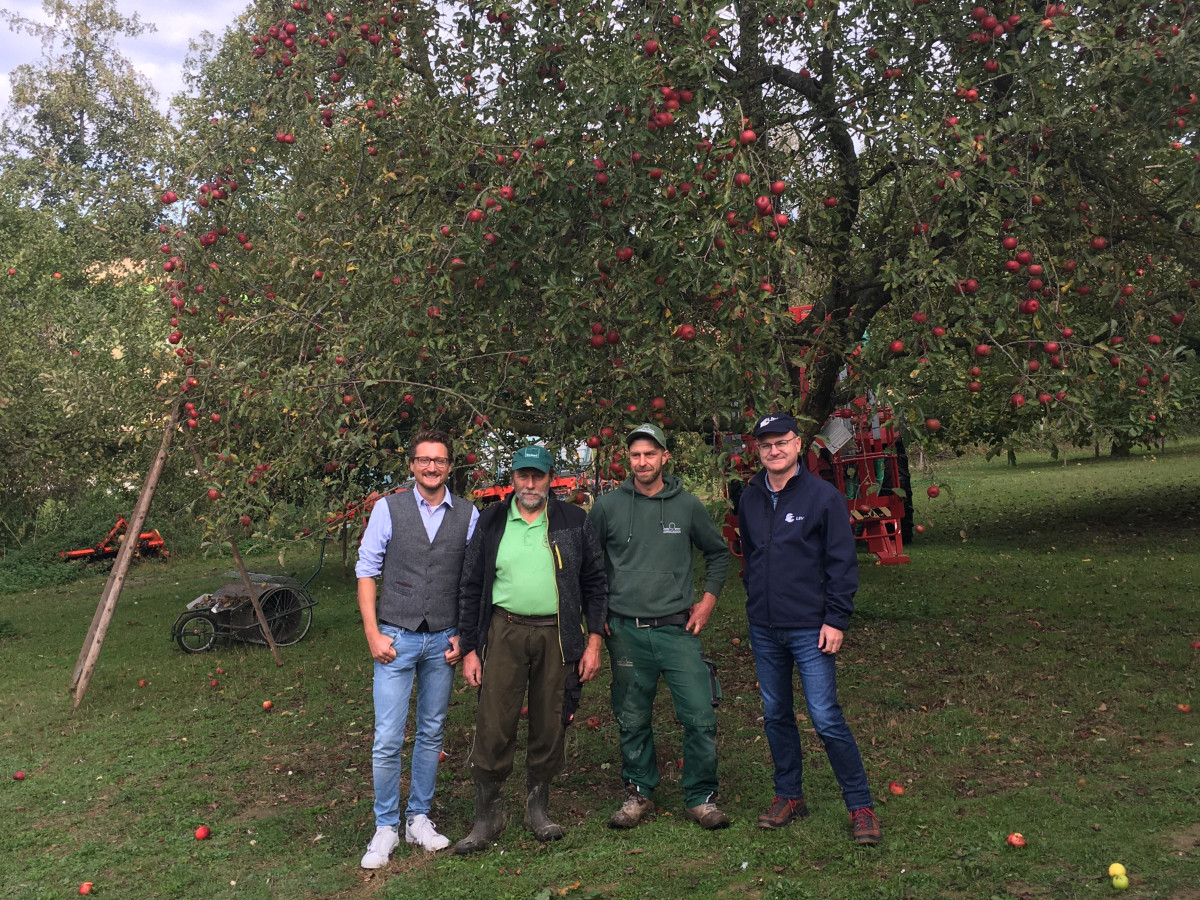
column 775, row 423
column 533, row 457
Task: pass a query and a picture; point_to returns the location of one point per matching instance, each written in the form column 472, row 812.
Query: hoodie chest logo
column 672, row 528
column 790, row 517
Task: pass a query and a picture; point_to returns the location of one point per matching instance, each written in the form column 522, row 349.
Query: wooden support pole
column 90, row 653
column 241, row 567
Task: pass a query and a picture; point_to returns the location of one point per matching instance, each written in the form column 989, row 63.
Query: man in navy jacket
column 801, row 573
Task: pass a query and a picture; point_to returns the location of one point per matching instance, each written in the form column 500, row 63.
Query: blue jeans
column 776, row 652
column 419, row 657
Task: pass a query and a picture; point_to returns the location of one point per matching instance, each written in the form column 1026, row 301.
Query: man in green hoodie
column 648, row 528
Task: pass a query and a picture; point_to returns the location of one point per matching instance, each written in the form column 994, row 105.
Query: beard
column 532, row 499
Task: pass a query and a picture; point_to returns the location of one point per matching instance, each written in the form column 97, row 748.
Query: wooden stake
column 241, row 567
column 88, row 655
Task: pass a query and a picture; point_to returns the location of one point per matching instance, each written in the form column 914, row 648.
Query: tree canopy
column 556, row 218
column 534, row 218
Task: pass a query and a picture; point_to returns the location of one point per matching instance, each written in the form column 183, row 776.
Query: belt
column 539, row 621
column 680, row 618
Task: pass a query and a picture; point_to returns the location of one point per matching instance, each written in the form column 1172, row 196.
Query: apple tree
column 558, row 218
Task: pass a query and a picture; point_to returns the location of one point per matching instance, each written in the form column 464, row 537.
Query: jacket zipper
column 770, row 548
column 558, row 600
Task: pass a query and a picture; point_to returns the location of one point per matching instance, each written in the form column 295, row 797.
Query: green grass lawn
column 1022, row 674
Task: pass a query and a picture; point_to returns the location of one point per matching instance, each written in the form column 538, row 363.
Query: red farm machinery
column 858, row 451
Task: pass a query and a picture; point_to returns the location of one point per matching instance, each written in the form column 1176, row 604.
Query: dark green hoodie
column 648, row 544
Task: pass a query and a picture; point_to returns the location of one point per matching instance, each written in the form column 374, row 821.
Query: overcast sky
column 157, row 55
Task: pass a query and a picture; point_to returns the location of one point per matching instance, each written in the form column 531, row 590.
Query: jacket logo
column 672, row 528
column 793, row 518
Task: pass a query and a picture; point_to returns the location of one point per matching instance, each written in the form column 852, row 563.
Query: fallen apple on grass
column 1016, row 839
column 203, row 832
column 18, row 776
column 593, row 722
column 896, row 788
column 268, row 705
column 86, row 887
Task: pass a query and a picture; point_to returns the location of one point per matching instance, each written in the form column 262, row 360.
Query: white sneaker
column 380, row 849
column 421, row 831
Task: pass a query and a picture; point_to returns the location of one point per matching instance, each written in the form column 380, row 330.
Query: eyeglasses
column 440, row 461
column 765, row 447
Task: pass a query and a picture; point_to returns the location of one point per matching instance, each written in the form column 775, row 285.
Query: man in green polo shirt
column 532, row 605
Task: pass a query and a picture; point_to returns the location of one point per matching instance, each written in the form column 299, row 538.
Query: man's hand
column 830, row 640
column 453, row 655
column 699, row 613
column 381, row 647
column 472, row 670
column 589, row 663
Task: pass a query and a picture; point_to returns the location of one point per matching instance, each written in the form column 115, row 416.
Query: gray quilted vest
column 420, row 578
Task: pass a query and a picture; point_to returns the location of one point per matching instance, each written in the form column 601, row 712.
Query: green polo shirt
column 524, row 583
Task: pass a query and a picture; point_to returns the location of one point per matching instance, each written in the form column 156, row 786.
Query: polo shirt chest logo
column 791, row 517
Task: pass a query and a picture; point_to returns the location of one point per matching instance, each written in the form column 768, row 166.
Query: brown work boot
column 633, row 810
column 782, row 812
column 707, row 814
column 865, row 826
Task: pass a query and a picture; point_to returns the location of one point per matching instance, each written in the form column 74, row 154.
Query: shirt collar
column 514, row 512
column 421, row 501
column 767, row 481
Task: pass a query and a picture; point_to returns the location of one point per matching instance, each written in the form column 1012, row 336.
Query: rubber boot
column 489, row 818
column 537, row 819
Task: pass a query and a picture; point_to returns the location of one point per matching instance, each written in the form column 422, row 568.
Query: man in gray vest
column 416, row 541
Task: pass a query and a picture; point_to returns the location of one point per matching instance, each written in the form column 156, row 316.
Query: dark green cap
column 533, row 457
column 650, row 430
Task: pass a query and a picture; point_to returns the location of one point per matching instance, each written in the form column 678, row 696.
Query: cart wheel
column 289, row 613
column 196, row 633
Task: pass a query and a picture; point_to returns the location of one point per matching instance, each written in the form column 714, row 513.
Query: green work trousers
column 640, row 656
column 520, row 657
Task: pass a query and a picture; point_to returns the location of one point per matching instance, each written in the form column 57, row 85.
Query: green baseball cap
column 533, row 457
column 650, row 430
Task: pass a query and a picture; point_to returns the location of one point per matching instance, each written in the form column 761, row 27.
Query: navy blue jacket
column 799, row 564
